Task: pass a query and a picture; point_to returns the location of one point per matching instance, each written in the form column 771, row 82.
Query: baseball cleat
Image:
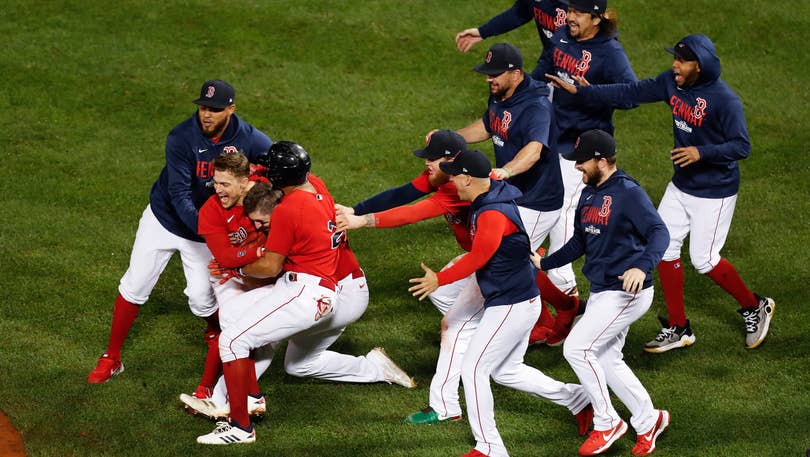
column 671, row 337
column 225, row 433
column 600, row 440
column 563, row 323
column 645, row 444
column 757, row 320
column 429, row 416
column 208, row 408
column 392, row 373
column 584, row 419
column 105, row 369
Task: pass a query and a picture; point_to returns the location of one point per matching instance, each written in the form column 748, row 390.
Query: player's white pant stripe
column 475, row 385
column 292, row 299
column 453, row 353
column 624, row 308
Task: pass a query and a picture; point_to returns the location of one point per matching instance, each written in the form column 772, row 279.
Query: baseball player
column 305, row 305
column 232, row 239
column 710, row 136
column 622, row 238
column 518, row 121
column 503, row 301
column 169, row 222
column 585, row 45
column 548, row 16
column 442, row 146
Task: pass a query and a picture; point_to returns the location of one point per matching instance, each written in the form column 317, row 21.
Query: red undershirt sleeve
column 492, row 226
column 403, row 215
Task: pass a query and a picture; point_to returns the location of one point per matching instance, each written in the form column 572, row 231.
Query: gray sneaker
column 757, row 320
column 671, row 337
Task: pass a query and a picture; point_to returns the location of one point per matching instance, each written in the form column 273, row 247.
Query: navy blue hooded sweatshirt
column 548, row 15
column 515, row 122
column 617, row 228
column 508, row 277
column 707, row 115
column 600, row 60
column 186, row 181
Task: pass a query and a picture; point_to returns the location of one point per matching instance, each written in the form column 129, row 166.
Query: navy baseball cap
column 501, row 57
column 444, row 143
column 683, row 52
column 593, row 144
column 468, row 162
column 595, row 7
column 216, row 93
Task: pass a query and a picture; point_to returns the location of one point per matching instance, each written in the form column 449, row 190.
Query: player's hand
column 581, row 81
column 685, row 156
column 501, row 174
column 351, row 222
column 218, row 271
column 340, row 209
column 537, row 257
column 633, row 280
column 560, row 84
column 424, row 285
column 466, row 39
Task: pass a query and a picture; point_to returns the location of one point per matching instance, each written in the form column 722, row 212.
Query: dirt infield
column 11, row 444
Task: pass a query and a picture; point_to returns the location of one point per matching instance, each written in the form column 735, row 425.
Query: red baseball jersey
column 443, row 201
column 347, row 262
column 303, row 230
column 229, row 234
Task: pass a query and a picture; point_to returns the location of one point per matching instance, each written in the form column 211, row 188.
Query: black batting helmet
column 287, row 164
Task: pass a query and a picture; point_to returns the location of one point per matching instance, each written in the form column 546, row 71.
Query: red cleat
column 475, row 453
column 645, row 444
column 600, row 440
column 106, row 368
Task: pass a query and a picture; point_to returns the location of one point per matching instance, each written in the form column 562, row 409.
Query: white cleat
column 392, row 373
column 207, row 407
column 225, row 433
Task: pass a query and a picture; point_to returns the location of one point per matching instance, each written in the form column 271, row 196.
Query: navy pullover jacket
column 513, row 123
column 707, row 115
column 508, row 277
column 617, row 228
column 186, row 181
column 548, row 16
column 600, row 60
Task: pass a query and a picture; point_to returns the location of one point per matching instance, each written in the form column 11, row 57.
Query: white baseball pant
column 497, row 349
column 153, row 247
column 290, row 310
column 563, row 230
column 706, row 221
column 594, row 351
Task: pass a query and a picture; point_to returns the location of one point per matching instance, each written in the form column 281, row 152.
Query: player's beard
column 215, row 130
column 498, row 91
column 594, row 178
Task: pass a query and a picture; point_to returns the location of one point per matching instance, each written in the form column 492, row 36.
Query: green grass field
column 90, row 89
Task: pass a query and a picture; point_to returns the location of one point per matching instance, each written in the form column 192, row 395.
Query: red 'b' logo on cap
column 489, row 57
column 210, row 92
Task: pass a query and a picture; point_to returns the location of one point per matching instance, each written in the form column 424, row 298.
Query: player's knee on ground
column 300, row 368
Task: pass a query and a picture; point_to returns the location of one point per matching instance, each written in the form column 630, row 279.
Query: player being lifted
column 303, row 250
